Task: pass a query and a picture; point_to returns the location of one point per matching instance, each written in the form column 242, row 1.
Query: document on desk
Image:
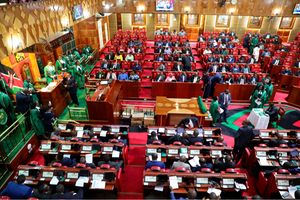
column 194, row 161
column 115, row 154
column 97, row 184
column 240, row 186
column 159, row 188
column 54, row 180
column 285, row 195
column 79, row 134
column 89, row 158
column 81, row 180
column 103, row 133
column 216, row 191
column 263, row 161
column 292, row 190
column 173, row 182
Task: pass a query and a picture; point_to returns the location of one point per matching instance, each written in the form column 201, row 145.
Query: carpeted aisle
column 131, row 182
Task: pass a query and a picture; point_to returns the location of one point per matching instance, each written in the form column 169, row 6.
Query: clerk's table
column 258, row 118
column 170, row 111
column 57, row 94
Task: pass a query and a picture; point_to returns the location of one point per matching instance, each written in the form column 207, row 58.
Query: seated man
column 230, row 59
column 134, row 76
column 111, row 75
column 195, row 78
column 168, row 51
column 210, row 59
column 177, row 67
column 17, row 190
column 153, row 137
column 161, row 67
column 105, row 65
column 106, row 160
column 276, row 61
column 123, row 76
column 205, row 164
column 245, row 69
column 137, row 67
column 100, row 74
column 160, row 57
column 170, row 78
column 297, row 64
column 272, row 111
column 153, row 162
column 64, row 161
column 266, row 53
column 181, row 163
column 160, row 77
column 183, row 77
column 159, row 50
column 115, row 65
column 129, row 57
column 110, row 56
column 242, row 59
column 195, row 137
column 189, row 122
column 61, row 194
column 235, row 69
column 286, row 71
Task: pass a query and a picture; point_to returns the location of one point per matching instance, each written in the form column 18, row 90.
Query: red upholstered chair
column 206, row 170
column 114, row 141
column 157, row 142
column 177, row 143
column 94, row 140
column 263, row 145
column 54, row 138
column 283, row 171
column 283, row 145
column 80, row 165
column 5, row 197
column 56, row 164
column 231, row 170
column 125, row 64
column 261, row 184
column 155, row 168
column 198, row 144
column 180, row 169
column 74, row 139
column 139, row 56
column 105, row 166
column 33, row 163
column 219, row 144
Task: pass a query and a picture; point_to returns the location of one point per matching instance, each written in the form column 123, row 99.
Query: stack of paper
column 194, row 162
column 97, row 184
column 81, row 181
column 173, row 182
column 214, row 190
column 54, row 180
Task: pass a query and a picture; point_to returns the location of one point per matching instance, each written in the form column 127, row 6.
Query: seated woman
column 170, row 78
column 129, row 57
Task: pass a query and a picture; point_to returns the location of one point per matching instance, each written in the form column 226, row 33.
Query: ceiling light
column 106, row 6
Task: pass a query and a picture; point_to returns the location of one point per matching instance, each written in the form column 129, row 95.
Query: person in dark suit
column 159, row 50
column 297, row 64
column 187, row 66
column 286, row 71
column 17, row 190
column 189, row 122
column 154, row 162
column 64, row 161
column 195, row 78
column 242, row 139
column 71, row 86
column 110, row 56
column 105, row 65
column 23, row 101
column 153, row 137
column 224, row 101
column 272, row 111
column 42, row 192
column 177, row 67
column 61, row 194
column 137, row 67
column 195, row 137
column 177, row 138
column 160, row 77
column 106, row 160
column 183, row 77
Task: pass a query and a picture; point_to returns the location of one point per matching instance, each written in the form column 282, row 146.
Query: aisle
column 131, row 182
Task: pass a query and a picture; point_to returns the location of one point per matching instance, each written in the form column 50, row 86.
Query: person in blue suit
column 17, row 190
column 154, row 162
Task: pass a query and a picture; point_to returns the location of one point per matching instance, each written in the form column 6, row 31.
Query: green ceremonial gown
column 29, row 86
column 60, row 66
column 77, row 55
column 213, row 109
column 269, row 91
column 255, row 99
column 253, row 43
column 49, row 72
column 4, row 87
column 6, row 104
column 79, row 76
column 36, row 122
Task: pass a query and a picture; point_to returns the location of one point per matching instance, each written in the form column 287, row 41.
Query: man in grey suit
column 224, row 101
column 181, row 163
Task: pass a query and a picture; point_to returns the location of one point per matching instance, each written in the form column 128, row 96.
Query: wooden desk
column 192, row 180
column 176, row 89
column 171, row 111
column 108, row 109
column 266, row 135
column 45, row 174
column 294, row 96
column 287, row 82
column 58, row 96
column 238, row 92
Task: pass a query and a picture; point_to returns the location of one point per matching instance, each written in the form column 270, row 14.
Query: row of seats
column 237, row 50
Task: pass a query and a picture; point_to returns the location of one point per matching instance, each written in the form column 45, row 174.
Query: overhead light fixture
column 140, row 8
column 3, row 4
column 106, row 6
column 276, row 11
column 231, row 11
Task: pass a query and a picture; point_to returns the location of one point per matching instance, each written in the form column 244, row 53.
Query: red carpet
column 136, row 155
column 240, row 120
column 37, row 156
column 137, row 138
column 280, row 96
column 297, row 123
column 229, row 140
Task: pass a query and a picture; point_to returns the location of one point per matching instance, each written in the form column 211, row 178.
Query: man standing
column 272, row 111
column 214, row 110
column 224, row 101
column 242, row 139
column 36, row 122
column 23, row 101
column 71, row 85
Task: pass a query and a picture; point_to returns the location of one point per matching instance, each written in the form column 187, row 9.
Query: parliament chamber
column 157, row 99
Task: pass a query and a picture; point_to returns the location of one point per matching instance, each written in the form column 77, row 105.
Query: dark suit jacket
column 68, row 195
column 175, row 67
column 23, row 102
column 193, row 139
column 273, row 113
column 221, row 100
column 107, row 66
column 186, row 63
column 110, row 56
column 71, row 85
column 244, row 135
column 17, row 191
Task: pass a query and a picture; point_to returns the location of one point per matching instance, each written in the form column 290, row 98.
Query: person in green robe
column 49, row 72
column 214, row 110
column 4, row 87
column 27, row 84
column 268, row 88
column 60, row 65
column 36, row 122
column 87, row 50
column 77, row 54
column 79, row 75
column 7, row 106
column 258, row 98
column 253, row 43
